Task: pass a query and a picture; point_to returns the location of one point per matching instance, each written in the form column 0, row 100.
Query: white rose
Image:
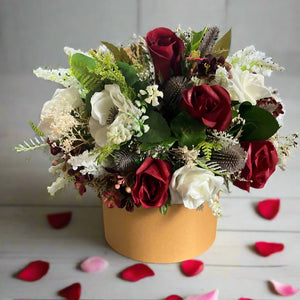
column 62, row 103
column 194, row 186
column 107, row 106
column 246, row 86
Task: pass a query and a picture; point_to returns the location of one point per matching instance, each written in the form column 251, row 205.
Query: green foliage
column 159, row 130
column 168, row 143
column 118, row 53
column 259, row 125
column 83, row 68
column 222, row 46
column 32, row 144
column 197, row 38
column 35, row 129
column 207, row 148
column 105, row 151
column 163, row 209
column 128, row 72
column 188, row 131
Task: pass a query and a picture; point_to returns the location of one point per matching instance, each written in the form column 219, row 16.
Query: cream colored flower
column 194, row 186
column 246, row 86
column 114, row 118
column 153, row 94
column 55, row 116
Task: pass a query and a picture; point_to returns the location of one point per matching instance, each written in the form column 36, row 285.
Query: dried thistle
column 173, row 90
column 124, row 160
column 231, row 158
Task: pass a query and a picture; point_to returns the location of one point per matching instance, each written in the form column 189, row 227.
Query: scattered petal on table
column 136, row 272
column 59, row 220
column 268, row 208
column 284, row 289
column 266, row 249
column 71, row 292
column 174, row 297
column 192, row 267
column 34, row 271
column 93, row 264
column 209, row 296
column 245, row 299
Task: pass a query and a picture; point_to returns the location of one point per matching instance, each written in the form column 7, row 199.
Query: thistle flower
column 173, row 90
column 230, row 159
column 125, row 160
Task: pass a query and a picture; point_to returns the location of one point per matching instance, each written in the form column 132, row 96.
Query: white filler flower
column 194, row 186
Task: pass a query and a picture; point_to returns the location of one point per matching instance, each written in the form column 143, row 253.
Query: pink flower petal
column 283, row 289
column 71, row 292
column 59, row 220
column 245, row 299
column 269, row 208
column 209, row 296
column 266, row 249
column 34, row 271
column 174, row 297
column 93, row 264
column 192, row 267
column 136, row 272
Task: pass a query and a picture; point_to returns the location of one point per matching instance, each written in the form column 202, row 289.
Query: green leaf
column 128, row 72
column 119, row 54
column 188, row 131
column 259, row 125
column 159, row 130
column 35, row 129
column 168, row 143
column 222, row 46
column 82, row 67
column 197, row 38
column 163, row 209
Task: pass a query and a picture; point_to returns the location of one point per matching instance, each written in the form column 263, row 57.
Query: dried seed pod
column 173, row 90
column 230, row 159
column 209, row 40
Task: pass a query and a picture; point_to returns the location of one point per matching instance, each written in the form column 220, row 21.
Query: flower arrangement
column 166, row 119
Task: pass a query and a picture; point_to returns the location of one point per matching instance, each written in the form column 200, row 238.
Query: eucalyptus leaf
column 222, row 46
column 188, row 131
column 128, row 72
column 119, row 54
column 159, row 130
column 197, row 38
column 259, row 125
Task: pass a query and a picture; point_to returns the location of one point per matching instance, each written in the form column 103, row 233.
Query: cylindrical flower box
column 148, row 236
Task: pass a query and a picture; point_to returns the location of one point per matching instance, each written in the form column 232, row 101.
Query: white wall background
column 33, row 33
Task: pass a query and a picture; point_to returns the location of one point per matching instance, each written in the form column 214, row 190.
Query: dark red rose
column 152, row 183
column 210, row 105
column 261, row 162
column 166, row 51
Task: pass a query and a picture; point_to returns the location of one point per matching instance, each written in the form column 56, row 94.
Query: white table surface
column 231, row 265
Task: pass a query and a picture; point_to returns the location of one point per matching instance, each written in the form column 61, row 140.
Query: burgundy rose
column 152, row 183
column 210, row 105
column 261, row 162
column 166, row 51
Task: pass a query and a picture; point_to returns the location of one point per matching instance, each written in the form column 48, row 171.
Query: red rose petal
column 34, row 271
column 269, row 208
column 283, row 289
column 136, row 272
column 71, row 292
column 59, row 220
column 192, row 267
column 174, row 297
column 209, row 296
column 266, row 249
